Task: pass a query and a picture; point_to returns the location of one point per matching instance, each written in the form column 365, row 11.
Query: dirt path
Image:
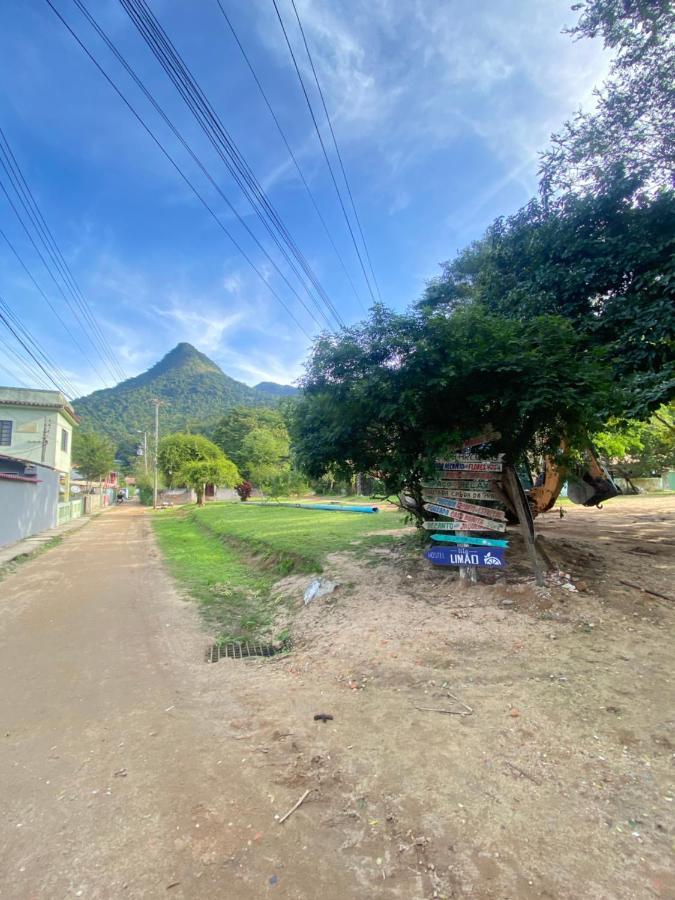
column 131, row 768
column 116, row 779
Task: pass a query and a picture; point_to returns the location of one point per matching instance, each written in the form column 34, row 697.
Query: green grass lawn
column 228, row 556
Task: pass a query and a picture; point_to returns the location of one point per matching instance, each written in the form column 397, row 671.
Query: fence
column 73, row 509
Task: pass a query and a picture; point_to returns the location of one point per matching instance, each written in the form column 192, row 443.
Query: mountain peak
column 184, row 356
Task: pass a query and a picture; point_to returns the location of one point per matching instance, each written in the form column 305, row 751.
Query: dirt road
column 131, row 768
column 116, row 780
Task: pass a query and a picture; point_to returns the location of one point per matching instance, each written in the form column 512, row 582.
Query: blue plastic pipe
column 329, row 507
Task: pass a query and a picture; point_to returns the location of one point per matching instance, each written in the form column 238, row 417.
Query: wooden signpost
column 441, row 526
column 486, row 438
column 478, row 465
column 465, row 483
column 473, row 509
column 517, row 496
column 468, row 521
column 457, row 494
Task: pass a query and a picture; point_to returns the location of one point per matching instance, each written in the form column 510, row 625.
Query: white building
column 37, row 426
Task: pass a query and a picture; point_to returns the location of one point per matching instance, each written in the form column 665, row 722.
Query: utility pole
column 45, row 439
column 156, row 404
column 145, row 450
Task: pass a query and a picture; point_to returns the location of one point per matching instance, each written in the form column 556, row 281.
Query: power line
column 178, row 169
column 48, row 267
column 325, row 152
column 13, row 375
column 289, row 149
column 31, row 373
column 49, row 241
column 196, row 100
column 37, row 348
column 111, row 46
column 8, row 324
column 46, row 299
column 337, row 149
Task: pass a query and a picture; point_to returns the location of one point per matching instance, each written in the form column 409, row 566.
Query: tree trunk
column 201, row 491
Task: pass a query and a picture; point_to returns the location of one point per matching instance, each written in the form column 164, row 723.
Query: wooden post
column 517, row 496
column 467, row 573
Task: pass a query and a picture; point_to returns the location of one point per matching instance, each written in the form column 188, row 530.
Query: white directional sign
column 457, row 465
column 472, row 508
column 457, row 494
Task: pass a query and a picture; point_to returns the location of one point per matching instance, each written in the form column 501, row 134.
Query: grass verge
column 228, row 557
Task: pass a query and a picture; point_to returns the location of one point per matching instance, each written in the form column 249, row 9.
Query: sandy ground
column 132, row 768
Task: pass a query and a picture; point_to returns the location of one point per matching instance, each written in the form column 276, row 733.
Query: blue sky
column 440, row 109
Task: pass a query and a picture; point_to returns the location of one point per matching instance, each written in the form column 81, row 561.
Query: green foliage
column 93, row 454
column 640, row 448
column 234, row 428
column 196, row 474
column 175, row 450
column 604, row 262
column 194, row 391
column 388, row 396
column 631, row 128
column 286, row 482
column 266, row 453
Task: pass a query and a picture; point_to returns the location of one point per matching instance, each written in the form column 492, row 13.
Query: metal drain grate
column 244, row 649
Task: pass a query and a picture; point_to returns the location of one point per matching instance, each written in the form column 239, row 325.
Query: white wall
column 26, row 508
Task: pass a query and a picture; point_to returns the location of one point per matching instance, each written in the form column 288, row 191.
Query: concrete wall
column 27, row 508
column 28, row 431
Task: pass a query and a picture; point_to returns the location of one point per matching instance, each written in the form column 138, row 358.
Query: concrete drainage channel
column 244, row 650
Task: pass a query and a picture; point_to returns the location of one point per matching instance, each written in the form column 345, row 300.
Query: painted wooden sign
column 441, row 526
column 482, row 439
column 468, row 457
column 451, row 492
column 464, row 520
column 468, row 521
column 483, row 557
column 459, row 480
column 472, row 508
column 485, row 465
column 469, row 539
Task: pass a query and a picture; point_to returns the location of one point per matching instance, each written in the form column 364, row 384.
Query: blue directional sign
column 468, row 539
column 483, row 557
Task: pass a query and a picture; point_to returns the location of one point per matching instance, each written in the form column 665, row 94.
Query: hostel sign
column 483, row 557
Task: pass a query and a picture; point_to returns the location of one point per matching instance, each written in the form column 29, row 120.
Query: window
column 64, row 440
column 5, row 432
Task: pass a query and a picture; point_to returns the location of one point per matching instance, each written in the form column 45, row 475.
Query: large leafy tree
column 196, row 474
column 93, row 455
column 265, row 452
column 175, row 450
column 632, row 128
column 605, row 262
column 388, row 396
column 234, row 428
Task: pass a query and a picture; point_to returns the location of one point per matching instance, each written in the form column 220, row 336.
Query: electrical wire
column 292, row 155
column 57, row 256
column 34, row 375
column 196, row 100
column 323, row 148
column 37, row 348
column 45, row 297
column 50, row 272
column 337, row 149
column 26, row 346
column 178, row 169
column 111, row 46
